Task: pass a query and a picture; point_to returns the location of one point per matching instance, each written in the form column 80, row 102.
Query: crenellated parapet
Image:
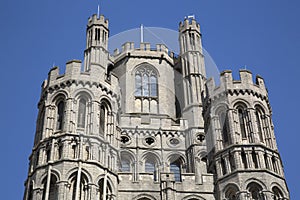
column 95, row 20
column 189, row 24
column 159, row 52
column 244, row 85
column 74, row 75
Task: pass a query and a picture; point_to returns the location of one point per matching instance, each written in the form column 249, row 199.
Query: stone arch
column 144, row 197
column 177, row 165
column 83, row 182
column 241, row 102
column 255, row 189
column 59, row 94
column 83, row 92
column 193, row 197
column 254, row 180
column 281, row 189
column 230, row 191
column 127, row 157
column 83, row 171
column 109, row 190
column 145, row 64
column 220, row 108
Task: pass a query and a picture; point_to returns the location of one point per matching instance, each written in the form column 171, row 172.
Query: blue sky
column 35, row 34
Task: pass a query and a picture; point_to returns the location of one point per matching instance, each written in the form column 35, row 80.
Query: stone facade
column 145, row 124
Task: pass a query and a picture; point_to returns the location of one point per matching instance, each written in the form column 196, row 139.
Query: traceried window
column 146, row 89
column 145, row 82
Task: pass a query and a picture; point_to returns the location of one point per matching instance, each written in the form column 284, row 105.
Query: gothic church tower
column 241, row 144
column 144, row 124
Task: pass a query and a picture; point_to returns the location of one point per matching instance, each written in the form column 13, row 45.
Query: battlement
column 244, row 83
column 189, row 24
column 74, row 72
column 94, row 20
column 144, row 49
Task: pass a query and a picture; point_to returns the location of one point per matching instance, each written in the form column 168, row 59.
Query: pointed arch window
column 150, row 166
column 146, row 82
column 60, row 115
column 278, row 195
column 80, row 192
column 52, row 195
column 175, row 167
column 231, row 193
column 146, row 89
column 81, row 113
column 245, row 123
column 105, row 193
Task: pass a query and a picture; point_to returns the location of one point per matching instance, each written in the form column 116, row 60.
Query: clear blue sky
column 264, row 35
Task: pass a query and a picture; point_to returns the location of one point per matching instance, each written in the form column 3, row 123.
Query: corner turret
column 96, row 52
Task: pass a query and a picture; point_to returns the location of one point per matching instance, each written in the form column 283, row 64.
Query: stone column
column 227, row 163
column 62, row 190
column 237, row 159
column 249, row 159
column 78, row 182
column 261, row 163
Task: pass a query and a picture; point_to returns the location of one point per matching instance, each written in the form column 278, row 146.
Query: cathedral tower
column 241, row 141
column 74, row 154
column 144, row 124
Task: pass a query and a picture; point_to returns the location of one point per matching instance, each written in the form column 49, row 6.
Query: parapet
column 98, row 21
column 244, row 83
column 160, row 51
column 73, row 74
column 189, row 24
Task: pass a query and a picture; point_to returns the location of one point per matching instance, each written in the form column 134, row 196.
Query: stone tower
column 240, row 138
column 144, row 124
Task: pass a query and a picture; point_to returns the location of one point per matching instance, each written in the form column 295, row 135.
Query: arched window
column 81, row 113
column 102, row 119
column 255, row 191
column 242, row 118
column 146, row 89
column 60, row 115
column 127, row 162
column 278, row 195
column 81, row 192
column 146, row 82
column 125, row 165
column 245, row 123
column 223, row 119
column 259, row 116
column 52, row 188
column 151, row 167
column 175, row 167
column 105, row 193
column 231, row 193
